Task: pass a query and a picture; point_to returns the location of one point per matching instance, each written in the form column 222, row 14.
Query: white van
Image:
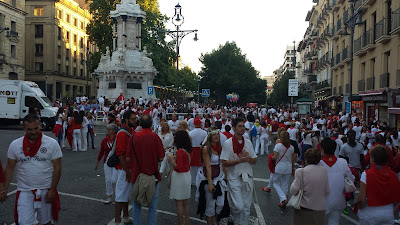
column 18, row 97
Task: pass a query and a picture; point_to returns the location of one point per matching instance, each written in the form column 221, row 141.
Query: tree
column 279, row 95
column 227, row 70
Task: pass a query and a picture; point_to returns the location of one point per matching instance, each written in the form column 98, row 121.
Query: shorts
column 26, row 209
column 122, row 188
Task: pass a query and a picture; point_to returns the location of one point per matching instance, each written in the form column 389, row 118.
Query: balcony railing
column 344, row 54
column 13, row 33
column 339, row 25
column 357, row 45
column 384, row 80
column 338, row 58
column 38, row 35
column 396, row 20
column 59, row 56
column 371, row 83
column 345, row 16
column 38, row 54
column 361, row 85
column 382, row 29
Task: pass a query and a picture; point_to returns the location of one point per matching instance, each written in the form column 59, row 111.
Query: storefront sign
column 375, row 98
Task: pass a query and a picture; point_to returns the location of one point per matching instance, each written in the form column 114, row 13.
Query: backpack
column 253, row 131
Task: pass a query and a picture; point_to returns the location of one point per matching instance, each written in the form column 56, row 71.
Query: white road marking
column 349, row 219
column 261, row 180
column 11, row 193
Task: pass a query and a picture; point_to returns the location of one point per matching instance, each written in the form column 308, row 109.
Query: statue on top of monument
column 128, row 2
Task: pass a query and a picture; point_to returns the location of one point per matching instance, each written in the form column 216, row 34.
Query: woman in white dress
column 167, row 139
column 337, row 169
column 180, row 178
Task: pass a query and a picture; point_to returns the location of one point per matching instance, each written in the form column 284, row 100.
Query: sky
column 261, row 28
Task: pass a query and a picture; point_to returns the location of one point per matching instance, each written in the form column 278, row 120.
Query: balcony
column 371, row 83
column 340, row 90
column 339, row 29
column 368, row 42
column 368, row 2
column 59, row 56
column 13, row 34
column 38, row 35
column 396, row 22
column 384, row 80
column 311, row 79
column 345, row 55
column 361, row 85
column 347, row 88
column 345, row 16
column 324, row 85
column 398, row 78
column 358, row 47
column 67, row 58
column 38, row 54
column 382, row 31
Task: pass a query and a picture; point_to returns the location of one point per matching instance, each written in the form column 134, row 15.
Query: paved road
column 82, row 192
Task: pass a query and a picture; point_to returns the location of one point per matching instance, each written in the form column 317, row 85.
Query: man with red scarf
column 197, row 135
column 37, row 158
column 237, row 155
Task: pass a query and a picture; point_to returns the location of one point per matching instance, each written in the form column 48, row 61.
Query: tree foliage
column 163, row 55
column 226, row 70
column 279, row 95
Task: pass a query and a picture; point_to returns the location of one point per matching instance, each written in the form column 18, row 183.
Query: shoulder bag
column 295, row 200
column 348, row 184
column 113, row 160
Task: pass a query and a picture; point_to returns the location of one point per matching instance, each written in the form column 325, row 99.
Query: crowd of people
column 212, row 148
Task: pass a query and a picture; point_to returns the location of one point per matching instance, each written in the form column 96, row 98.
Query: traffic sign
column 150, row 90
column 293, row 88
column 205, row 93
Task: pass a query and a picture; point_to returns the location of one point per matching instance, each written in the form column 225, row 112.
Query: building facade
column 57, row 47
column 12, row 39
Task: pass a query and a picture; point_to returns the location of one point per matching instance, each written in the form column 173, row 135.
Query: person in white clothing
column 284, row 157
column 237, row 156
column 173, row 124
column 75, row 124
column 337, row 169
column 156, row 118
column 84, row 131
column 197, row 135
column 168, row 141
column 37, row 158
column 265, row 141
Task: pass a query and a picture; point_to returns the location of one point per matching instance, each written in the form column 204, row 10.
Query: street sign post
column 150, row 90
column 293, row 88
column 205, row 93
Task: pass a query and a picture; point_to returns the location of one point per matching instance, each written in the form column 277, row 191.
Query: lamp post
column 178, row 35
column 198, row 90
column 355, row 19
column 87, row 71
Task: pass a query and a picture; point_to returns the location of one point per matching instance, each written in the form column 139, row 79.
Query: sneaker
column 397, row 221
column 346, row 212
column 108, row 200
column 127, row 220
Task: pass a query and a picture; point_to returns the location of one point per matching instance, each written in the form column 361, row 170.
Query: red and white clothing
column 109, row 172
column 197, row 135
column 173, row 125
column 180, row 177
column 34, row 174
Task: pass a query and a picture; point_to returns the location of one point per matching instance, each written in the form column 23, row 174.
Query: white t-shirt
column 173, row 125
column 284, row 166
column 197, row 136
column 227, row 153
column 36, row 172
column 292, row 133
column 353, row 154
column 59, row 119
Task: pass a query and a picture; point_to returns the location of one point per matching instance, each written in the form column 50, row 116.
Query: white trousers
column 213, row 205
column 164, row 165
column 264, row 140
column 256, row 143
column 63, row 137
column 27, row 208
column 76, row 136
column 193, row 173
column 281, row 185
column 240, row 200
column 333, row 217
column 84, row 131
column 271, row 180
column 110, row 176
column 122, row 187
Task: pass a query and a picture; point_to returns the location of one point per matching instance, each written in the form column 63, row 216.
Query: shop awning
column 369, row 93
column 394, row 110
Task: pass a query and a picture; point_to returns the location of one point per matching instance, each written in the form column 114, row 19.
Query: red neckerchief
column 291, row 128
column 217, row 148
column 110, row 141
column 31, row 148
column 223, row 122
column 237, row 147
column 330, row 160
column 265, row 127
column 334, row 138
column 378, row 177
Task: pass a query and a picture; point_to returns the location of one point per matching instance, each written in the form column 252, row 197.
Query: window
column 81, row 73
column 82, row 26
column 14, row 3
column 13, row 76
column 38, row 49
column 75, row 39
column 134, row 85
column 81, row 43
column 38, row 11
column 13, row 51
column 76, row 22
column 74, row 71
column 59, row 14
column 13, row 26
column 32, row 102
column 67, row 70
column 112, row 85
column 59, row 67
column 67, row 36
column 59, row 52
column 38, row 66
column 38, row 31
column 59, row 33
column 74, row 56
column 67, row 54
column 68, row 18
